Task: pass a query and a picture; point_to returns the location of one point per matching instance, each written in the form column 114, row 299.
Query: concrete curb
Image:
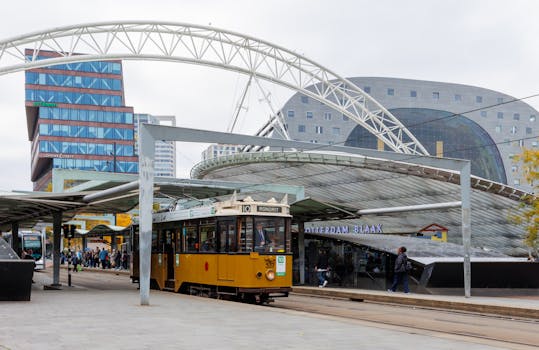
column 417, row 300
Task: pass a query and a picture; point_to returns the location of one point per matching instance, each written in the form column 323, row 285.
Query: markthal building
column 449, row 120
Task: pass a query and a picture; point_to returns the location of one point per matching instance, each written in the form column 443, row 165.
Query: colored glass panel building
column 77, row 119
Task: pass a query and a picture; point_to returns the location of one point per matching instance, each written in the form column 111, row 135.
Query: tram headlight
column 270, row 275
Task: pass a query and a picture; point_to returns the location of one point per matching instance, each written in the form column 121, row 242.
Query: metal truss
column 204, row 45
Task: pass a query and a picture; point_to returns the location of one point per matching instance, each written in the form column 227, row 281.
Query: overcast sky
column 491, row 44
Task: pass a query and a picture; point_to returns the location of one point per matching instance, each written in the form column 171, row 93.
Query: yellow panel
column 380, row 145
column 439, row 149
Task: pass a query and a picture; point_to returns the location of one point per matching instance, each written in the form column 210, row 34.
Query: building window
column 413, row 93
column 514, row 168
column 498, row 128
column 304, row 99
column 458, row 98
column 479, row 99
column 336, row 131
column 513, row 129
column 532, row 118
column 367, row 89
column 345, row 118
column 436, row 95
column 484, row 114
column 500, row 115
column 313, row 141
column 535, row 144
column 516, row 181
column 318, row 129
column 301, row 128
column 521, row 143
column 499, row 100
column 390, row 92
column 291, row 114
column 309, row 115
column 327, row 116
column 528, row 131
column 516, row 116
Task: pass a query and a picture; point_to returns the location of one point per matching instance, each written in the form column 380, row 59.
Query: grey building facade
column 453, row 120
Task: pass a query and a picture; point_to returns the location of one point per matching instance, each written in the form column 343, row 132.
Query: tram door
column 169, row 247
column 226, row 235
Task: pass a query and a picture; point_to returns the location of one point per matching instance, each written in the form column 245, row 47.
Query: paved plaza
column 101, row 318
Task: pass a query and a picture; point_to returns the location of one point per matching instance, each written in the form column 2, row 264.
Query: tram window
column 246, row 234
column 191, row 234
column 207, row 238
column 227, row 236
column 178, row 243
column 269, row 235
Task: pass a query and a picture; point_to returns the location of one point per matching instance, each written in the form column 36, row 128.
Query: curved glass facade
column 461, row 137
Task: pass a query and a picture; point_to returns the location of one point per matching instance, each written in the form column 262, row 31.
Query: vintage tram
column 237, row 249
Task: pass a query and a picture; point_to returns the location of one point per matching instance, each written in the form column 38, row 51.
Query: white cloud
column 490, row 44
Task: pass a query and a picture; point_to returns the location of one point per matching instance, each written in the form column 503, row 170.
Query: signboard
column 267, row 209
column 377, row 228
column 280, row 269
column 44, row 104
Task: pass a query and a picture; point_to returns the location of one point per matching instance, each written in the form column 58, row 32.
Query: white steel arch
column 203, row 45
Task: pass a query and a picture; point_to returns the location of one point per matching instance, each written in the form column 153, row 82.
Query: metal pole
column 56, row 229
column 146, row 162
column 466, row 226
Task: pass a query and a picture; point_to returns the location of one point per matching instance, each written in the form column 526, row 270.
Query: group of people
column 98, row 258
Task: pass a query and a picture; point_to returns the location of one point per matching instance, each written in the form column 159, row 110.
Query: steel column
column 466, row 225
column 56, row 229
column 15, row 244
column 301, row 252
column 146, row 162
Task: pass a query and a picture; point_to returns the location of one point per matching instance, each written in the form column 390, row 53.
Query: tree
column 529, row 216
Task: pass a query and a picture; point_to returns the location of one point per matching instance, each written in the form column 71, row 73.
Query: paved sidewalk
column 85, row 318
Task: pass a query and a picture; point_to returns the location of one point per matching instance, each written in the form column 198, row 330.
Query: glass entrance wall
column 352, row 266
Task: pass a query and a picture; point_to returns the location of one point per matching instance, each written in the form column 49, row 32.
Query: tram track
column 490, row 330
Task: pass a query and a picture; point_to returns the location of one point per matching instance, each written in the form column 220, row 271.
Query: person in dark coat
column 321, row 268
column 401, row 271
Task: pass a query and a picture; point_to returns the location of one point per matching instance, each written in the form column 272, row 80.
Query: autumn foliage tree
column 529, row 216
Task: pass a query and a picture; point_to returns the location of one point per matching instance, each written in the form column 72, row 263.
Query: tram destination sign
column 268, row 209
column 377, row 228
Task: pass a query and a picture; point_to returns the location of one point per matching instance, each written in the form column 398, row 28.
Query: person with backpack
column 402, row 267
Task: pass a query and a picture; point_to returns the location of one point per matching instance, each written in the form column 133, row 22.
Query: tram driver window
column 269, row 235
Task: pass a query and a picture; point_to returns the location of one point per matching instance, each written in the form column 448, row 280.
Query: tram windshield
column 269, row 234
column 34, row 243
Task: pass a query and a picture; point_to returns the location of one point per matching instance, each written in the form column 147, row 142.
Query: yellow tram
column 236, row 249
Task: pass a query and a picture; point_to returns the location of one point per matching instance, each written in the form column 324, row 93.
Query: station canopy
column 357, row 181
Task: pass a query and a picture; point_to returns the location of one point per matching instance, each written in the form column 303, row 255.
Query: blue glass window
column 413, row 93
column 367, row 89
column 301, row 128
column 309, row 115
column 291, row 114
column 390, row 92
column 304, row 99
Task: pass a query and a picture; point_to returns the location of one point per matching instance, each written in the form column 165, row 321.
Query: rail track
column 503, row 332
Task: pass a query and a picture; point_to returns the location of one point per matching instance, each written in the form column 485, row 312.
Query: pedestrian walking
column 402, row 267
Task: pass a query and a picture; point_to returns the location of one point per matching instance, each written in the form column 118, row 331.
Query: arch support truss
column 211, row 47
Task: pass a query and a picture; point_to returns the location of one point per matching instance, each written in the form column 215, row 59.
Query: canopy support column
column 56, row 231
